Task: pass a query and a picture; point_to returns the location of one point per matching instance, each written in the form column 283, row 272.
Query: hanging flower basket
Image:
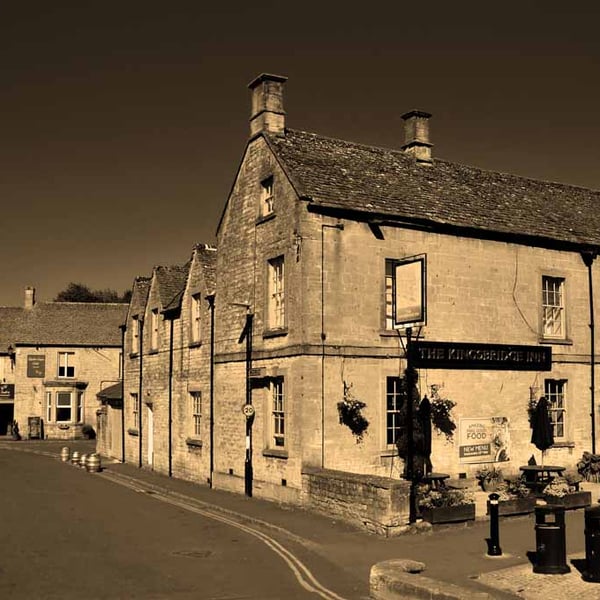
column 350, row 413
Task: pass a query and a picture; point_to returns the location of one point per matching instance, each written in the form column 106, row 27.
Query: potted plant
column 589, row 467
column 489, row 478
column 446, row 505
column 560, row 492
column 515, row 497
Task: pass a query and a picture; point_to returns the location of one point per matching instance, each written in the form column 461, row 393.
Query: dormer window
column 266, row 196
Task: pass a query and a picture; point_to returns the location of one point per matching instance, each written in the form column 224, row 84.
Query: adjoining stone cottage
column 312, row 240
column 59, row 356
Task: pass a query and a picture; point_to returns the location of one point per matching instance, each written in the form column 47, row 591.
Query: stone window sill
column 275, row 453
column 265, row 218
column 388, row 453
column 132, row 431
column 556, row 341
column 563, row 445
column 195, row 344
column 271, row 333
column 194, row 442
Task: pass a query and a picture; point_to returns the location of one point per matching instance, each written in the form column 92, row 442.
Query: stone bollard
column 65, row 454
column 75, row 458
column 83, row 460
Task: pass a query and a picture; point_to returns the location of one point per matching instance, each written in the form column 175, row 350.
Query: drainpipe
column 172, row 321
column 588, row 259
column 211, row 304
column 140, row 389
column 123, row 329
column 339, row 226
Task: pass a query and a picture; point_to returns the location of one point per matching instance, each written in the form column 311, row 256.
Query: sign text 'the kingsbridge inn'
column 450, row 355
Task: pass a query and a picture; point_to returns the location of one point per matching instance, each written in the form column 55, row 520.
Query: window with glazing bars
column 276, row 293
column 394, row 399
column 555, row 391
column 553, row 307
column 278, row 412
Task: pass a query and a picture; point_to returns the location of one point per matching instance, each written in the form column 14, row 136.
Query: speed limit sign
column 248, row 410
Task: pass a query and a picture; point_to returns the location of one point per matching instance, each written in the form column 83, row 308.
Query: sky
column 123, row 123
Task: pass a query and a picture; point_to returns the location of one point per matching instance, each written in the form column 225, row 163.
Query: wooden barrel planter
column 93, row 463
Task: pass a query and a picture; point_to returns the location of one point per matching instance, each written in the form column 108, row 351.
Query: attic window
column 266, row 197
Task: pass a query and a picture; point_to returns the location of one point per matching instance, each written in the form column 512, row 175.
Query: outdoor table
column 537, row 477
column 435, row 480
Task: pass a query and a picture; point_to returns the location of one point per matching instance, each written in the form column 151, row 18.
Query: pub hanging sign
column 458, row 355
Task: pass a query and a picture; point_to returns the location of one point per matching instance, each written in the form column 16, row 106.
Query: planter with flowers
column 446, row 505
column 350, row 413
column 515, row 498
column 561, row 493
column 489, row 478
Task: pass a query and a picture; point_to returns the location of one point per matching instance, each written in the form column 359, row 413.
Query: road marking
column 302, row 573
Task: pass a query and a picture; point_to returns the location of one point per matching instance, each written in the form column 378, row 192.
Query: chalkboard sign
column 7, row 391
column 35, row 428
column 36, row 365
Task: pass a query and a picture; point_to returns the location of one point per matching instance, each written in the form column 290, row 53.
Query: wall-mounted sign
column 36, row 365
column 486, row 439
column 7, row 391
column 451, row 355
column 409, row 291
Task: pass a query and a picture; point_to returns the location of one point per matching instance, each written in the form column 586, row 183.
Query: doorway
column 7, row 414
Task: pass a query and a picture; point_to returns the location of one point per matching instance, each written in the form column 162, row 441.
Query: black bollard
column 494, row 539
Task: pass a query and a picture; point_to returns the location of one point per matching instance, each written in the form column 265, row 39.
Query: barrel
column 83, row 460
column 93, row 463
column 65, row 454
column 75, row 458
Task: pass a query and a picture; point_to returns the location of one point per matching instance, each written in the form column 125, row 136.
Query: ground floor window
column 394, row 398
column 196, row 398
column 135, row 409
column 64, row 407
column 278, row 412
column 555, row 392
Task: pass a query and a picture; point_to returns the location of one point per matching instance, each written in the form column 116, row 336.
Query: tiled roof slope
column 207, row 255
column 112, row 392
column 171, row 284
column 11, row 323
column 340, row 174
column 72, row 324
column 139, row 296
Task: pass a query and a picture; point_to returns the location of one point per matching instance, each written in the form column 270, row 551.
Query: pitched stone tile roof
column 63, row 324
column 112, row 392
column 207, row 255
column 11, row 323
column 139, row 296
column 171, row 285
column 344, row 175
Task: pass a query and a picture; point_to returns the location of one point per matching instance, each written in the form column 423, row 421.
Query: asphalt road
column 68, row 534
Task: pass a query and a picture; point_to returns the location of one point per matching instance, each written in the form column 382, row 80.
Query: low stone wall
column 379, row 504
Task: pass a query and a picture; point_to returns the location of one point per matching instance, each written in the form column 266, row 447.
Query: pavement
column 455, row 554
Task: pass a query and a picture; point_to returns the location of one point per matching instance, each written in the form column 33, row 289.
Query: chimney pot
column 267, row 114
column 29, row 297
column 416, row 135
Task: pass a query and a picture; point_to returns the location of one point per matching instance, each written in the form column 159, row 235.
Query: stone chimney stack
column 29, row 297
column 416, row 136
column 267, row 113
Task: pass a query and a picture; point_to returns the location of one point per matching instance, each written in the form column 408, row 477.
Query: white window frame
column 74, row 406
column 154, row 338
column 196, row 402
column 49, row 407
column 389, row 293
column 278, row 412
column 394, row 399
column 276, row 292
column 555, row 391
column 66, row 368
column 196, row 317
column 266, row 196
column 553, row 307
column 135, row 408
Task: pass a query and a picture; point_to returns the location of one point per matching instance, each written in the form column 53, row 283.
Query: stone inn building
column 323, row 246
column 59, row 355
